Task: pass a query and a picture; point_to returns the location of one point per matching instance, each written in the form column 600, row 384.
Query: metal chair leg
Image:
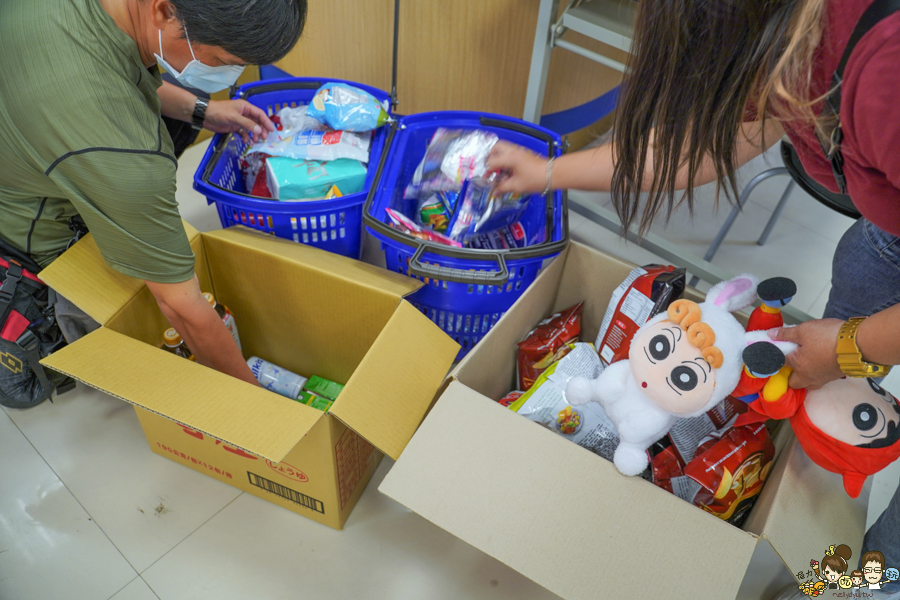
column 739, row 205
column 776, row 213
column 540, row 60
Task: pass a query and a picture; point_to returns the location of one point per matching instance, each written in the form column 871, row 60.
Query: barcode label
column 286, row 493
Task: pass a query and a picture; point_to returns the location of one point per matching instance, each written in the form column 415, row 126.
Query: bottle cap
column 171, row 337
column 210, row 298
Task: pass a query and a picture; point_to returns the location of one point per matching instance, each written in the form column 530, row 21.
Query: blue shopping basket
column 334, row 225
column 467, row 291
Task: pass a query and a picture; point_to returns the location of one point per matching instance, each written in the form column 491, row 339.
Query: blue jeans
column 865, row 280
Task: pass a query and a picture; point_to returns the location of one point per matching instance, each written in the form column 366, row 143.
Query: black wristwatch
column 199, row 113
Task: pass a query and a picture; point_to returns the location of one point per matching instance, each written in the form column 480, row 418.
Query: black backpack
column 28, row 332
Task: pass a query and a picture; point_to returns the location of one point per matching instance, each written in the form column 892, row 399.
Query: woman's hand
column 814, row 361
column 525, row 171
column 238, row 116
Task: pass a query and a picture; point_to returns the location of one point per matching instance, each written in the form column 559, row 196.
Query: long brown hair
column 695, row 66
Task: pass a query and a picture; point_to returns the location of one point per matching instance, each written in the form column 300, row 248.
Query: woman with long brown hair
column 712, row 84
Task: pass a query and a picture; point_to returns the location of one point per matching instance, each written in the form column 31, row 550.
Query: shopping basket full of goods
column 330, row 220
column 472, row 276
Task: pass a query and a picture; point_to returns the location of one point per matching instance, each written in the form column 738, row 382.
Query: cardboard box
column 309, row 311
column 565, row 517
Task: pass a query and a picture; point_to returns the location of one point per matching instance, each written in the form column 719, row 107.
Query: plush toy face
column 855, row 411
column 669, row 370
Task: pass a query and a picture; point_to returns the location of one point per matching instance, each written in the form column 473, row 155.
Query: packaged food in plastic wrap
column 552, row 339
column 347, row 108
column 305, row 144
column 687, row 434
column 403, row 223
column 505, row 238
column 731, row 468
column 481, row 210
column 436, row 210
column 510, row 398
column 545, row 403
column 452, row 157
column 291, row 180
column 646, row 292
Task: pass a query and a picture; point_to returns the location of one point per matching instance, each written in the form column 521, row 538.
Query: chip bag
column 646, row 292
column 545, row 403
column 732, row 469
column 347, row 108
column 403, row 223
column 552, row 339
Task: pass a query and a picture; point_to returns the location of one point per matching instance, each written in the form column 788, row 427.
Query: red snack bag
column 546, row 344
column 732, row 471
column 510, row 398
column 687, row 434
column 646, row 292
column 664, row 466
column 261, row 185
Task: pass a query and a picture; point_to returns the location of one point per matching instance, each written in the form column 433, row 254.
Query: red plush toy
column 850, row 426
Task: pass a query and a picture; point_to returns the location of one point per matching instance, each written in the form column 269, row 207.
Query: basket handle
column 494, row 278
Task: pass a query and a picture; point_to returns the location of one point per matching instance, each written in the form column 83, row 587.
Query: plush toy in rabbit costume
column 681, row 364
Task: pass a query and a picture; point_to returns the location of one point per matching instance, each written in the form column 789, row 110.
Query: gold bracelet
column 549, row 174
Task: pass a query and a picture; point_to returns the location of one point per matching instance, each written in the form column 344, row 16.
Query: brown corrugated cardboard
column 309, row 311
column 565, row 517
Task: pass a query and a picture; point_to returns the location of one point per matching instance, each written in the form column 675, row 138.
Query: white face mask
column 198, row 75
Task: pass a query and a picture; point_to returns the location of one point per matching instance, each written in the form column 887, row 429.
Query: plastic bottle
column 226, row 317
column 173, row 343
column 275, row 379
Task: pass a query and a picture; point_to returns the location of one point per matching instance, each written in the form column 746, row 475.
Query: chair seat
column 838, row 202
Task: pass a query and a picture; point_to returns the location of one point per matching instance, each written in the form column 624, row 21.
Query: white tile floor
column 88, row 512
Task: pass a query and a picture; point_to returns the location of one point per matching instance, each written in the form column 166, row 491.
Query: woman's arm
column 815, row 360
column 593, row 169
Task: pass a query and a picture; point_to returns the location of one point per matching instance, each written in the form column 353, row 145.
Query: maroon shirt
column 870, row 113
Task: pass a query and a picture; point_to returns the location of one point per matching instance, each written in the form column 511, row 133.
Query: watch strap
column 199, row 115
column 849, row 358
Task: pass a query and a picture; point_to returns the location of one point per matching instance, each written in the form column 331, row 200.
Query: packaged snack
column 305, row 144
column 552, row 339
column 315, row 401
column 323, row 387
column 645, row 293
column 452, row 157
column 347, row 108
column 687, row 434
column 732, row 468
column 510, row 398
column 407, row 225
column 505, row 238
column 276, row 379
column 436, row 210
column 226, row 317
column 295, row 118
column 480, row 210
column 545, row 403
column 291, row 180
column 665, row 466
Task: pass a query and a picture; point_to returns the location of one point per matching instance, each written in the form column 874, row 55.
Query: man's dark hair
column 258, row 32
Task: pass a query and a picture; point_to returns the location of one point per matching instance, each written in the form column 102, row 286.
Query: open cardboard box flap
column 551, row 513
column 393, row 386
column 239, row 414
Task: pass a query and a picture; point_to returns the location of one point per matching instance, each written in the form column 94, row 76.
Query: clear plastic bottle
column 226, row 317
column 173, row 343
